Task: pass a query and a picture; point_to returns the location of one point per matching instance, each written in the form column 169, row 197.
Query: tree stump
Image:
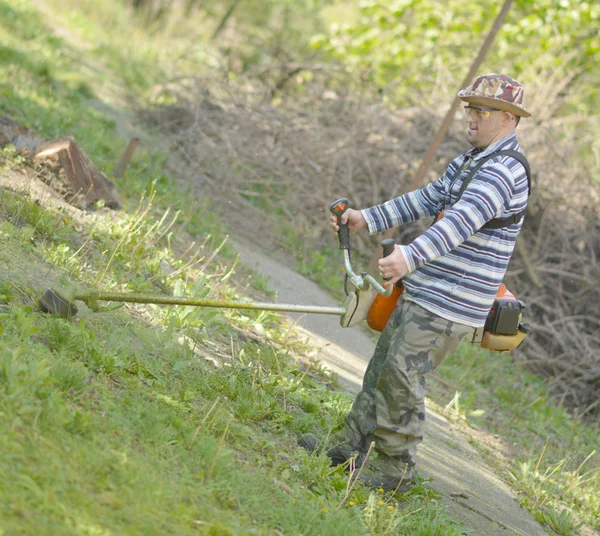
column 82, row 180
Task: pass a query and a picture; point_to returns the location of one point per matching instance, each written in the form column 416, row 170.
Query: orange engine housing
column 382, row 308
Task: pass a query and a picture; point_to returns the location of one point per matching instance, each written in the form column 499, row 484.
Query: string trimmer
column 365, row 287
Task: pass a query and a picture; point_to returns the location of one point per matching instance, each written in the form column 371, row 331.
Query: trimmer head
column 56, row 304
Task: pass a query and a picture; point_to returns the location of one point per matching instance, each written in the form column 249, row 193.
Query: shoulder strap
column 515, row 218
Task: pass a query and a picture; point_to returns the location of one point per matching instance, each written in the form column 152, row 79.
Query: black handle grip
column 338, row 208
column 388, row 247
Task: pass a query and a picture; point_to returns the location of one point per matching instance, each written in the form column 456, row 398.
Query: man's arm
column 427, row 201
column 485, row 198
column 412, row 206
column 408, row 207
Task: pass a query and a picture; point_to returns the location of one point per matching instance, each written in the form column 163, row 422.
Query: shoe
column 339, row 454
column 378, row 480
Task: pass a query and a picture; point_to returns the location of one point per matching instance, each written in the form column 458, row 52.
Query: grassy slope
column 120, row 423
column 111, row 426
column 72, row 411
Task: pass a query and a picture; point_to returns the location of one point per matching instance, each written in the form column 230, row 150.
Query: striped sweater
column 456, row 267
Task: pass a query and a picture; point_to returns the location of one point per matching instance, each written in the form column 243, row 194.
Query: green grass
column 146, row 419
column 119, row 422
column 110, row 443
column 46, row 87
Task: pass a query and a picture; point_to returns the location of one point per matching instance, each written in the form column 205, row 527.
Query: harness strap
column 498, row 223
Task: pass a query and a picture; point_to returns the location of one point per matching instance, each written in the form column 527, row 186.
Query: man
column 451, row 274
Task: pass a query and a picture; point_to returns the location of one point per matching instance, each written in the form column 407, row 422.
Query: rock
column 15, row 134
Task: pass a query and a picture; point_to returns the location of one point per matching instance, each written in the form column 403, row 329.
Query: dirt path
column 470, row 489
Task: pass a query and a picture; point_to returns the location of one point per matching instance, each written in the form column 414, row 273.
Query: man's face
column 484, row 126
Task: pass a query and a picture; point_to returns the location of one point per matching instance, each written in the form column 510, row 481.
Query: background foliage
column 405, row 43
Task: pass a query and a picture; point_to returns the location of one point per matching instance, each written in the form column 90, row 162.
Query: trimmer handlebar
column 388, row 246
column 363, row 281
column 338, row 208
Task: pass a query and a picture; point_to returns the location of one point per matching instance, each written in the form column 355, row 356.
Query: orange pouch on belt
column 503, row 329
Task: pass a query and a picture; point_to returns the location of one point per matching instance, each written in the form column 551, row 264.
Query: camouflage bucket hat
column 496, row 91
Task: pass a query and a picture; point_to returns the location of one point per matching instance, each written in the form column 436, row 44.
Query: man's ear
column 509, row 117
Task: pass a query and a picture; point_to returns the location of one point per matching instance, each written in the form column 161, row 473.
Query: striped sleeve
column 485, row 198
column 412, row 206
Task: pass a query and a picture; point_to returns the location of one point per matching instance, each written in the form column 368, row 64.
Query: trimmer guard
column 357, row 306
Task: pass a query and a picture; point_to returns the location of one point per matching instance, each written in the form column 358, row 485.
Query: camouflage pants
column 390, row 408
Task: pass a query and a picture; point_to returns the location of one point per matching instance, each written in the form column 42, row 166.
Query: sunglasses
column 480, row 113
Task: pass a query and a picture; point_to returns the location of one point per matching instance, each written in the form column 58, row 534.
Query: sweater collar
column 508, row 142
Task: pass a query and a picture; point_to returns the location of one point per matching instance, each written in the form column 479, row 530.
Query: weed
column 28, row 220
column 380, row 516
column 461, row 410
column 562, row 522
column 11, row 159
column 6, row 292
column 62, row 256
column 261, row 283
column 21, row 322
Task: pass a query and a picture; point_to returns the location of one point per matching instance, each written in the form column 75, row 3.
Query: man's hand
column 356, row 221
column 393, row 267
